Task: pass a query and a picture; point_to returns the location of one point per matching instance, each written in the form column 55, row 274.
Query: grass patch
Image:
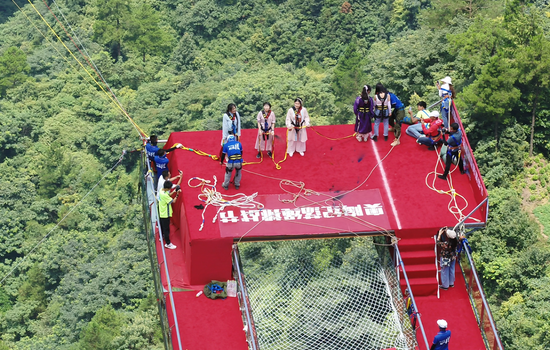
column 543, row 215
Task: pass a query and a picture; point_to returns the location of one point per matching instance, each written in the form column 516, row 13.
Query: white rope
column 63, row 219
column 211, row 196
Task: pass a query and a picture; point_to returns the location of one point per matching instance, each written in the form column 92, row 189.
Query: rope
column 196, row 151
column 138, row 129
column 211, row 196
column 63, row 219
column 330, row 138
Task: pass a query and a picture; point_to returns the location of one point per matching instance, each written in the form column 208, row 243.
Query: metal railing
column 244, row 302
column 481, row 308
column 151, row 220
column 399, row 263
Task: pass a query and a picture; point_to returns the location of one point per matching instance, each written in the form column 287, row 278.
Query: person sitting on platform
column 415, row 130
column 382, row 112
column 166, row 198
column 234, row 151
column 231, row 123
column 297, row 119
column 432, row 131
column 448, row 242
column 441, row 340
column 166, row 176
column 364, row 111
column 453, row 149
column 397, row 116
column 266, row 130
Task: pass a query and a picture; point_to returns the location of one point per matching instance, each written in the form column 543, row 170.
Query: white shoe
column 291, row 154
column 170, row 246
column 395, row 142
column 302, row 154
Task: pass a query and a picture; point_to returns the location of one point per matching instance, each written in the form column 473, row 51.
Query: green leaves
column 13, row 68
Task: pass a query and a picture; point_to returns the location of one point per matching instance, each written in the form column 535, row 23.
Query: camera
column 177, row 188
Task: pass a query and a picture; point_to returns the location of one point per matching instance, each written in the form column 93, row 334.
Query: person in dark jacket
column 453, row 148
column 364, row 111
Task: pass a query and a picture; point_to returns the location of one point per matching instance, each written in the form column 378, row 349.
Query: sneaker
column 451, row 286
column 269, row 154
column 259, row 155
column 441, row 287
column 375, row 138
column 462, row 172
column 302, row 154
column 237, row 187
column 395, row 142
column 225, row 187
column 291, row 154
column 170, row 246
column 442, row 177
column 386, row 138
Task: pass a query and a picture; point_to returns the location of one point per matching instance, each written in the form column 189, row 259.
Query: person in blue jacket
column 234, row 151
column 161, row 162
column 152, row 151
column 441, row 340
column 397, row 116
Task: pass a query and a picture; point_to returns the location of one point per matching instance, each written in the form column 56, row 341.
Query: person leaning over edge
column 165, row 211
column 453, row 148
column 441, row 340
column 234, row 151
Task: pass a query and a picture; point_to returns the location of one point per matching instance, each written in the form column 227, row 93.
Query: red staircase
column 419, row 258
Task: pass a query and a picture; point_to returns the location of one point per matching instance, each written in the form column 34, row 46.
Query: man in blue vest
column 441, row 340
column 234, row 151
column 453, row 147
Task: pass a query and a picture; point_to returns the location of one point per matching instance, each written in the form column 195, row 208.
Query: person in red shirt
column 432, row 131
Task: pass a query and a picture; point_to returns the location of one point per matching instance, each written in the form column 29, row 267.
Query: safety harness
column 298, row 121
column 267, row 127
column 234, row 122
column 382, row 109
column 366, row 106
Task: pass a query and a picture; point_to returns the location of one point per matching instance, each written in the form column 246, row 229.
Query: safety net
column 324, row 294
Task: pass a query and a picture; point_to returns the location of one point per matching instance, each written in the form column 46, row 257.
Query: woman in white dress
column 297, row 120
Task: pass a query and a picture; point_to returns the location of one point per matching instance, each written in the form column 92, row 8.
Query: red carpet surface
column 409, row 208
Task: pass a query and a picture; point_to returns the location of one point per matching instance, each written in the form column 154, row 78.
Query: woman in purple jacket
column 364, row 111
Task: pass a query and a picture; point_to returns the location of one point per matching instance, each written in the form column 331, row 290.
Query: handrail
column 400, row 261
column 471, row 213
column 253, row 341
column 435, row 103
column 485, row 305
column 154, row 222
column 436, row 265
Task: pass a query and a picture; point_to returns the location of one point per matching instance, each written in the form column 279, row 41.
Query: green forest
column 175, row 65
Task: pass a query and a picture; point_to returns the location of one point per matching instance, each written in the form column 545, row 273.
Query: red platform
column 410, row 209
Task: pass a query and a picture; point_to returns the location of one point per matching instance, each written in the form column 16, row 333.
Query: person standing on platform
column 266, row 130
column 364, row 111
column 234, row 151
column 397, row 117
column 448, row 242
column 297, row 119
column 441, row 340
column 166, row 198
column 167, row 176
column 152, row 150
column 231, row 123
column 447, row 92
column 382, row 110
column 453, row 149
column 432, row 131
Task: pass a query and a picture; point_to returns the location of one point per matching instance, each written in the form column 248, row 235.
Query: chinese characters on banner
column 358, row 211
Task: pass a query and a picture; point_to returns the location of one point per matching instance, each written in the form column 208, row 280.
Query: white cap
column 447, row 80
column 442, row 323
column 434, row 114
column 451, row 234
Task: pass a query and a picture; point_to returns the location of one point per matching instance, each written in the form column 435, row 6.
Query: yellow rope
column 140, row 131
column 196, row 151
column 330, row 138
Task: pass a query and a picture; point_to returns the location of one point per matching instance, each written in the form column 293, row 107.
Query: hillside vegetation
column 175, row 65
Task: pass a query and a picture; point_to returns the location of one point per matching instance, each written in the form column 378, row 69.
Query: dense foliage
column 175, row 65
